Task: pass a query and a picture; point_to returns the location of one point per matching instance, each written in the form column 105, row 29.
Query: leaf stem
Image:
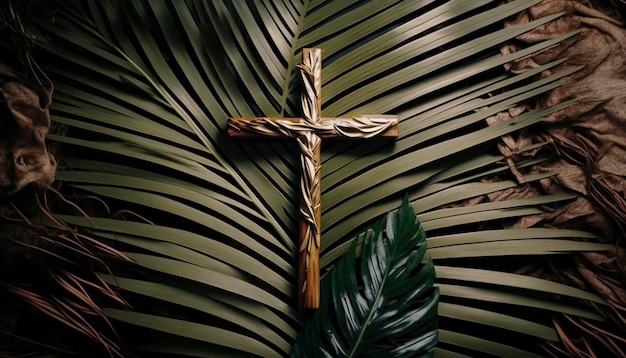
column 371, row 313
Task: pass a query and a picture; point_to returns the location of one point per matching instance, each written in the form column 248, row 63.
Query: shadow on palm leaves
column 145, row 89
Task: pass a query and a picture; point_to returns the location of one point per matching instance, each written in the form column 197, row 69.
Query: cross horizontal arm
column 362, row 127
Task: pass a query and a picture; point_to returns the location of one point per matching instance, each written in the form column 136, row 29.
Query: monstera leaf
column 144, row 90
column 381, row 303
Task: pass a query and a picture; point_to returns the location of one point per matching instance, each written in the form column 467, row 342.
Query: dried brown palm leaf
column 57, row 278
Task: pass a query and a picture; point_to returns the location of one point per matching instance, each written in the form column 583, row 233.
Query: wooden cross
column 308, row 133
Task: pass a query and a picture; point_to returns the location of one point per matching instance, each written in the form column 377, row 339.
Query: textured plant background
column 144, row 90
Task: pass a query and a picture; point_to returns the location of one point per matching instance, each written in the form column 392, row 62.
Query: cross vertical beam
column 308, row 132
column 310, row 183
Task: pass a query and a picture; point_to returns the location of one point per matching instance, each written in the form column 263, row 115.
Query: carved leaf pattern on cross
column 310, row 188
column 309, row 132
column 326, row 128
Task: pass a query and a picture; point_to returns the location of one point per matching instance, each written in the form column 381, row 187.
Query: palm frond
column 145, row 89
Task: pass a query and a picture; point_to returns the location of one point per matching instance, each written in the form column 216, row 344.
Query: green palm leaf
column 145, row 88
column 384, row 296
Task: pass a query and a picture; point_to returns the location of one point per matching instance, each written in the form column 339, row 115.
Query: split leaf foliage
column 386, row 291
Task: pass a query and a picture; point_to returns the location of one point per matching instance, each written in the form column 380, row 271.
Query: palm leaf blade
column 193, row 330
column 514, row 280
column 206, row 304
column 497, row 320
column 483, row 345
column 494, row 295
